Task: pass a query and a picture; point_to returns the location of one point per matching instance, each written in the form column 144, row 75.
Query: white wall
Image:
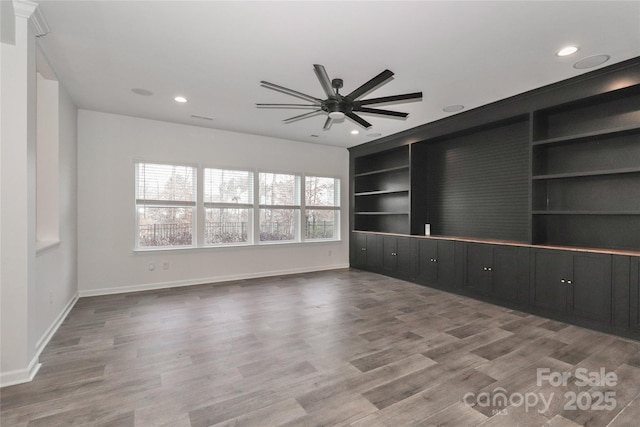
column 47, row 161
column 109, row 144
column 56, row 269
column 37, row 287
column 17, row 193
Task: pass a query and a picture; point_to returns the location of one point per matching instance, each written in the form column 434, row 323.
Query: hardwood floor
column 342, row 347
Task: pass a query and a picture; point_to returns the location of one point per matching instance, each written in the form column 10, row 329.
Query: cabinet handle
column 393, row 254
column 364, row 249
column 569, row 282
column 489, row 269
column 562, row 281
column 435, row 260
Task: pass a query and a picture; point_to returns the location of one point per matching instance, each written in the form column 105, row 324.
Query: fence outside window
column 162, row 234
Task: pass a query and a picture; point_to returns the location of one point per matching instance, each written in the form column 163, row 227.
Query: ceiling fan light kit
column 338, row 106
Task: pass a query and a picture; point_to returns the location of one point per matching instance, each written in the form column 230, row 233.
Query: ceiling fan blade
column 287, row 106
column 325, row 81
column 290, row 92
column 377, row 80
column 301, row 116
column 327, row 124
column 379, row 111
column 362, row 122
column 393, row 98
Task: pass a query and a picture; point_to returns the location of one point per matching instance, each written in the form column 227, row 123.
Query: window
column 165, row 204
column 322, row 213
column 279, row 207
column 181, row 206
column 228, row 206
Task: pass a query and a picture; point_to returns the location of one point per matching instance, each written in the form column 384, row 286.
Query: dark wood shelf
column 589, row 135
column 381, row 171
column 381, row 213
column 586, row 173
column 583, row 212
column 379, row 192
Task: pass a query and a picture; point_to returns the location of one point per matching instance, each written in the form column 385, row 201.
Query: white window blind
column 320, row 191
column 279, row 196
column 322, row 208
column 165, row 204
column 228, row 205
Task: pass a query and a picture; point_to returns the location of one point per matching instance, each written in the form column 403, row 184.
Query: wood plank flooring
column 344, row 347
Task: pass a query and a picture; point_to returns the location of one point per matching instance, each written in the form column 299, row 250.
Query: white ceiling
column 216, row 52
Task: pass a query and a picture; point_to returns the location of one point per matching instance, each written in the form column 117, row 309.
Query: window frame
column 297, row 208
column 226, row 205
column 336, row 208
column 199, row 206
column 157, row 203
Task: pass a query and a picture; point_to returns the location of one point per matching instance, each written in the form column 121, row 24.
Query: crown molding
column 29, row 10
column 24, row 8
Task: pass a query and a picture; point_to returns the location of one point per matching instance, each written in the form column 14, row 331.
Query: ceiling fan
column 338, row 106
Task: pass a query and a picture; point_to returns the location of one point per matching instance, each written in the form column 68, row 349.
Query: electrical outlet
column 152, row 266
column 165, row 265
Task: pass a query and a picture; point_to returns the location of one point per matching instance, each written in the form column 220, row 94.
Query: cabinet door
column 589, row 294
column 360, row 249
column 634, row 291
column 404, row 264
column 389, row 254
column 445, row 267
column 479, row 268
column 506, row 273
column 374, row 252
column 551, row 268
column 427, row 256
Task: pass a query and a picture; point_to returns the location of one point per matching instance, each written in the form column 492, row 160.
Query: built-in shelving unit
column 533, row 202
column 382, row 191
column 586, row 172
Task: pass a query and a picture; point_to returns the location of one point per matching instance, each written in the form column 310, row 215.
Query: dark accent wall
column 478, row 183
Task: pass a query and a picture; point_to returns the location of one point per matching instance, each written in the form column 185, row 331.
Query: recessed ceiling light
column 355, row 132
column 566, row 51
column 180, row 99
column 143, row 92
column 591, row 61
column 453, row 108
column 374, row 134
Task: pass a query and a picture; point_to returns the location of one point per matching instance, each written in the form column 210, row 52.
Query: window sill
column 238, row 246
column 44, row 245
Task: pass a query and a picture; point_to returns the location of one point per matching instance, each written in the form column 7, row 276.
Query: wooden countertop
column 508, row 243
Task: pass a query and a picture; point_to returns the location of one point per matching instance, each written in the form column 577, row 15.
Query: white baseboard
column 48, row 334
column 205, row 280
column 20, row 376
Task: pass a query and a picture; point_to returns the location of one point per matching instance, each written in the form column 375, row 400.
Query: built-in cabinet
column 532, row 201
column 497, row 271
column 635, row 293
column 592, row 289
column 397, row 256
column 436, row 262
column 573, row 283
column 368, row 251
